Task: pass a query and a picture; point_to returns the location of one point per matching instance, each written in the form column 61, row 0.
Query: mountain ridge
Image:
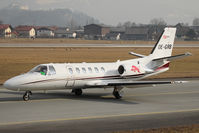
column 56, row 17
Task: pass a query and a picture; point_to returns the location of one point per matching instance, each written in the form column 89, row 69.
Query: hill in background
column 59, row 17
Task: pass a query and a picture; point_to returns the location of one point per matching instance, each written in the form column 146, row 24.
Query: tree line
column 155, row 21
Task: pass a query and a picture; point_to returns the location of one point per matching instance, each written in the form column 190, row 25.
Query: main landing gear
column 26, row 96
column 117, row 92
column 78, row 92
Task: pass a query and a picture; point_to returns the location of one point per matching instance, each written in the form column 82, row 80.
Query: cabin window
column 40, row 69
column 51, row 70
column 83, row 70
column 96, row 70
column 102, row 69
column 77, row 70
column 90, row 70
column 70, row 70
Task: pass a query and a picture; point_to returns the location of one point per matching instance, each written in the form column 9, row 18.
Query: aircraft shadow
column 97, row 97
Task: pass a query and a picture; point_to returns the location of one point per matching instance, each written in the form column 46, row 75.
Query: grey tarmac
column 97, row 110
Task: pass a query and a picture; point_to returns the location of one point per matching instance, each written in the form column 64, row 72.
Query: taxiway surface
column 98, row 111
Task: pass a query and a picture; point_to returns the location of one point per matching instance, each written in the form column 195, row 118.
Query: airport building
column 96, row 31
column 25, row 31
column 5, row 30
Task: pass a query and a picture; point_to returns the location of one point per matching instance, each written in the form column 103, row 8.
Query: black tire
column 78, row 92
column 117, row 95
column 26, row 97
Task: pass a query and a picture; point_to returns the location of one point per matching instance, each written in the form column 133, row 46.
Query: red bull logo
column 135, row 69
column 165, row 37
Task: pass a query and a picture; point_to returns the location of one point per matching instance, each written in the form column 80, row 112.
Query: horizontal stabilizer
column 138, row 55
column 170, row 58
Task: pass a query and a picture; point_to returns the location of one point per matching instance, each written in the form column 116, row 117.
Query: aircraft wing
column 132, row 83
column 140, row 83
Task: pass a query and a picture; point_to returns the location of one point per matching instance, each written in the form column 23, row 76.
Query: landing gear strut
column 117, row 92
column 78, row 92
column 26, row 96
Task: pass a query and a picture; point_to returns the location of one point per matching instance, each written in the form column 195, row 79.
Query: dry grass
column 14, row 61
column 179, row 129
column 70, row 41
column 81, row 41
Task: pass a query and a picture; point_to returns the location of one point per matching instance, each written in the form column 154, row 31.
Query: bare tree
column 158, row 21
column 196, row 22
column 157, row 25
column 127, row 24
column 184, row 24
column 133, row 24
column 191, row 34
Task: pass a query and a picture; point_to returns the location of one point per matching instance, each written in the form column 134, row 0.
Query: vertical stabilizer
column 164, row 46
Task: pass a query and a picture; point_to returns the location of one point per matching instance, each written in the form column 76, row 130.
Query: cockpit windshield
column 44, row 69
column 40, row 69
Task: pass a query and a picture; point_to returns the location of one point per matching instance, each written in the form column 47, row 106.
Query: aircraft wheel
column 117, row 94
column 78, row 92
column 26, row 96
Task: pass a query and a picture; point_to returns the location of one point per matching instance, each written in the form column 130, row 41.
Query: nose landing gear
column 26, row 96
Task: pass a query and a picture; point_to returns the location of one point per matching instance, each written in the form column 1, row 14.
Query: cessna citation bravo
column 78, row 76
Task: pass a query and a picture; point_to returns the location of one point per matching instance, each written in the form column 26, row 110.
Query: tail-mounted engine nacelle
column 121, row 69
column 129, row 69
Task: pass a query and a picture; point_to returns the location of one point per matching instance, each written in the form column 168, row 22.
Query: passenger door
column 70, row 81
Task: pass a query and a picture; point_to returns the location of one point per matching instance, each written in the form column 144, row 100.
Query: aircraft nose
column 10, row 83
column 16, row 83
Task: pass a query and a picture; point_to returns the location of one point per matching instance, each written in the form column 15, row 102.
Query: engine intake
column 121, row 69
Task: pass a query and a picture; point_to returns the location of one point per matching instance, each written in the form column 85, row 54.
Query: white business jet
column 78, row 76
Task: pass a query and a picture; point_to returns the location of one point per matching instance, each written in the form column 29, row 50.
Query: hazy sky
column 114, row 11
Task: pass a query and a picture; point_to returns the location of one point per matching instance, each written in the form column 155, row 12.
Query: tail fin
column 164, row 46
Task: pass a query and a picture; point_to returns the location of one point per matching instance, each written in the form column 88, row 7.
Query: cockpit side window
column 51, row 70
column 40, row 69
